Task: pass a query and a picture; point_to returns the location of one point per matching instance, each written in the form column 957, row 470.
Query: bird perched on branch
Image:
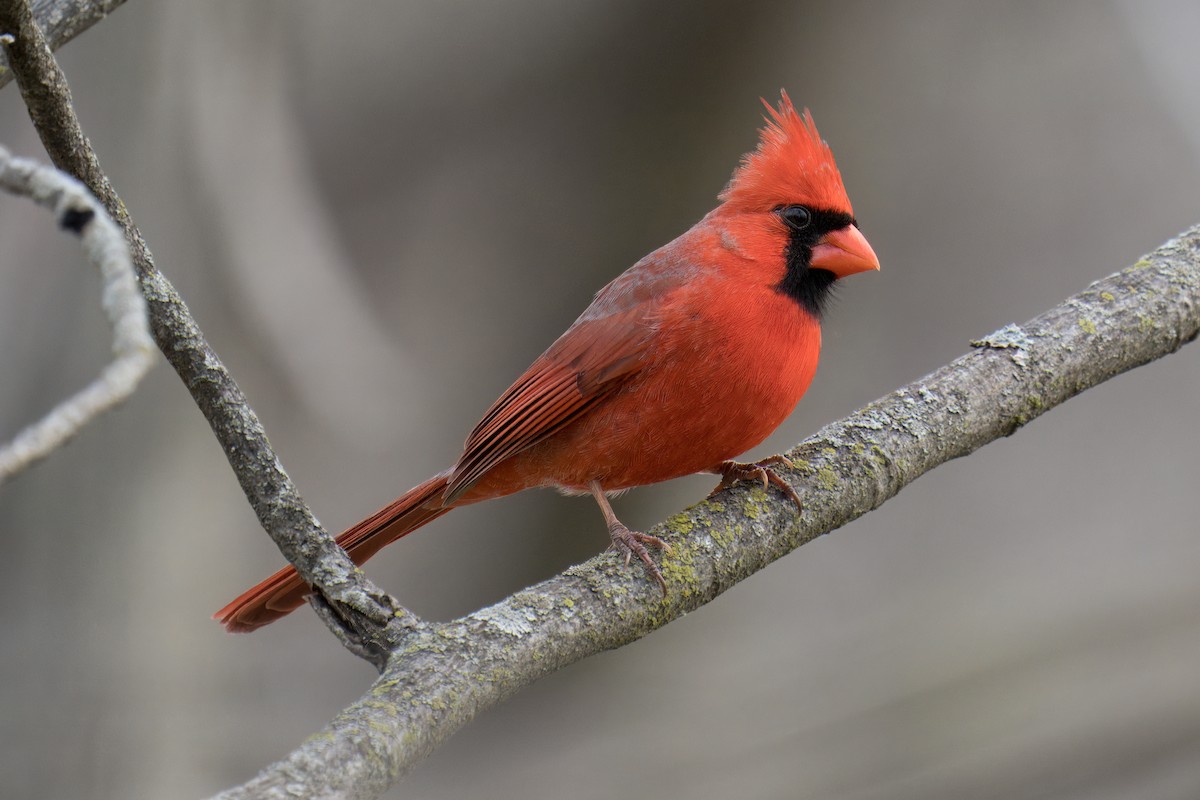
column 689, row 358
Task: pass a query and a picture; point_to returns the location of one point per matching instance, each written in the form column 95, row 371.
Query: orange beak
column 844, row 252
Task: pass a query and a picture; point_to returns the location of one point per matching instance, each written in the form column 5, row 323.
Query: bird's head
column 790, row 193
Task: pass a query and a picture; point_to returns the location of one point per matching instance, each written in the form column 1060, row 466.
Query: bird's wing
column 605, row 347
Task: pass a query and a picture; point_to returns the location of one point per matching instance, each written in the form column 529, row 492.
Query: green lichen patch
column 752, row 502
column 680, row 523
column 721, row 536
column 802, row 466
column 680, row 574
column 827, row 478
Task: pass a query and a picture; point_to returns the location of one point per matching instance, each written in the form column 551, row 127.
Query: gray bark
column 62, row 21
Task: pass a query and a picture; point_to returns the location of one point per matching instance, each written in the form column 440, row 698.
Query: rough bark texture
column 62, row 21
column 445, row 674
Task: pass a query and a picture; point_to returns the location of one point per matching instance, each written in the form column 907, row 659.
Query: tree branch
column 448, row 673
column 79, row 212
column 439, row 676
column 63, row 20
column 368, row 621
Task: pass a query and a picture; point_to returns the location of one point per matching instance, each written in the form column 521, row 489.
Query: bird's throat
column 810, row 288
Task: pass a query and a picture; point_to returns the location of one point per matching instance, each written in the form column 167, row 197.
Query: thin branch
column 79, row 212
column 367, row 618
column 448, row 673
column 62, row 21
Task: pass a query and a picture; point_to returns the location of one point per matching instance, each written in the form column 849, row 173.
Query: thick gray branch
column 447, row 673
column 367, row 617
column 62, row 21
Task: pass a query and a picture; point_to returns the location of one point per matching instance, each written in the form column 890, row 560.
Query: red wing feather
column 607, row 345
column 590, row 361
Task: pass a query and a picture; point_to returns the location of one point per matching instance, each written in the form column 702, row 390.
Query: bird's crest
column 790, row 165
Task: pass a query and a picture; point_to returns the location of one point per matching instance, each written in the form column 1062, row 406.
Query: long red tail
column 284, row 592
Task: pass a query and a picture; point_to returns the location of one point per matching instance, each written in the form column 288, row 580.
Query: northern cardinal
column 692, row 356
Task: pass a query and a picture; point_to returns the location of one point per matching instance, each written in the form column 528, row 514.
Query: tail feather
column 284, row 592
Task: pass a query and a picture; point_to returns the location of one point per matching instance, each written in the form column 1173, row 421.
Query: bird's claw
column 733, row 472
column 633, row 543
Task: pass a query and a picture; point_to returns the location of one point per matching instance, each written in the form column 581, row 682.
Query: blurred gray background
column 381, row 212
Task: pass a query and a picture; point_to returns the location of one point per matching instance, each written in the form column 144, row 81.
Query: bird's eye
column 797, row 217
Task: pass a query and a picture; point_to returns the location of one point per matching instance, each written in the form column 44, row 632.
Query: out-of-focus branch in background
column 79, row 212
column 367, row 611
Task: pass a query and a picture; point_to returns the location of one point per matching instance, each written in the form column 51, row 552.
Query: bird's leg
column 732, row 472
column 629, row 542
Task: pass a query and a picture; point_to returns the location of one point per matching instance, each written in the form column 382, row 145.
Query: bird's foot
column 633, row 543
column 733, row 472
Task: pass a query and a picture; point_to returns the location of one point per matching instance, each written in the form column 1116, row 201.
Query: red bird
column 692, row 356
